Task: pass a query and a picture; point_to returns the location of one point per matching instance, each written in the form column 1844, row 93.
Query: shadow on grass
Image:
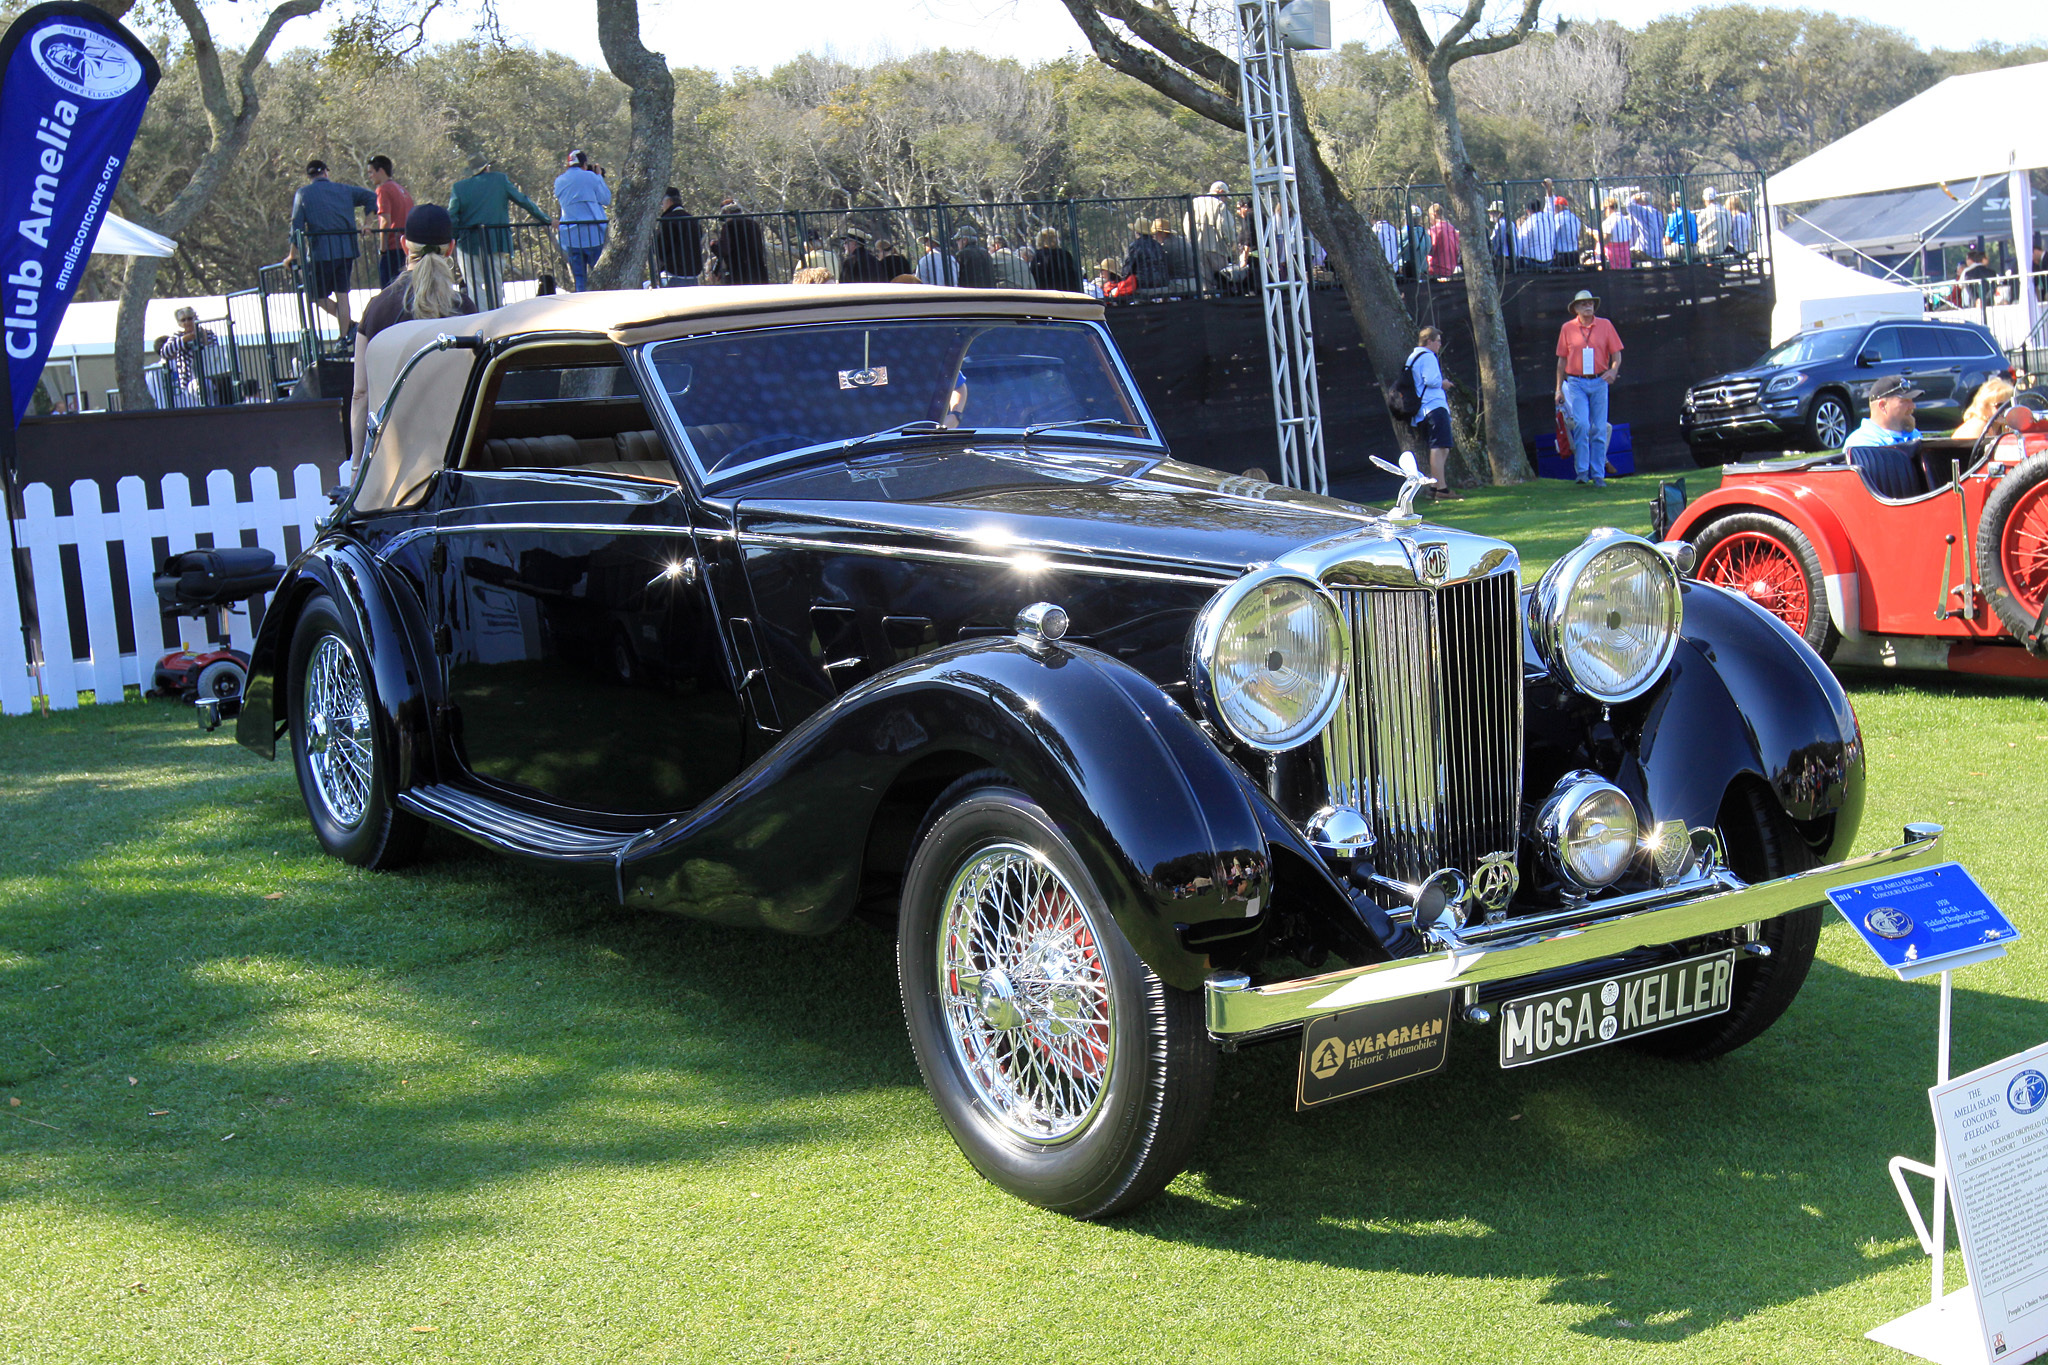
column 1673, row 1198
column 381, row 1046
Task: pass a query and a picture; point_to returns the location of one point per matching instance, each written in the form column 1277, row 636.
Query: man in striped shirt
column 1565, row 228
column 1389, row 238
column 1532, row 239
column 1649, row 225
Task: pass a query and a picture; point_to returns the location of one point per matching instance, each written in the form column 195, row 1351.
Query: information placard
column 1919, row 923
column 1994, row 1130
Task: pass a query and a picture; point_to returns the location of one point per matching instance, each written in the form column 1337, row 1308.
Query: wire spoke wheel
column 1068, row 1072
column 337, row 730
column 1764, row 570
column 1028, row 1009
column 2023, row 550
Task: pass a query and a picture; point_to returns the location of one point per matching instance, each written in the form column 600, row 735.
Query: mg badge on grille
column 1435, row 559
column 1495, row 880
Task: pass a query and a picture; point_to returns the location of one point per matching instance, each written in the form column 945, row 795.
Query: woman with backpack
column 1423, row 374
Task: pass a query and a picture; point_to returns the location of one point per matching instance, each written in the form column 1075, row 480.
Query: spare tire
column 2012, row 550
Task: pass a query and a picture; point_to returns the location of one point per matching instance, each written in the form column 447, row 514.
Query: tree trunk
column 1499, row 411
column 650, row 147
column 1385, row 328
column 228, row 121
column 138, row 286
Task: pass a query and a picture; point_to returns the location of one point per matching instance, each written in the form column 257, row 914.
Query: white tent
column 1967, row 129
column 1814, row 291
column 119, row 237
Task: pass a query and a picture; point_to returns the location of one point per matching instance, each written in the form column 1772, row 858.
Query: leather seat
column 529, row 452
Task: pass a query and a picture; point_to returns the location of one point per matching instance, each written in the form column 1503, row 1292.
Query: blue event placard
column 1934, row 920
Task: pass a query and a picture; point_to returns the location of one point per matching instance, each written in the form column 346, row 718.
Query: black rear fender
column 394, row 635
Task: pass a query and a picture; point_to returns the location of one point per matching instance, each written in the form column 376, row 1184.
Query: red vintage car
column 1953, row 578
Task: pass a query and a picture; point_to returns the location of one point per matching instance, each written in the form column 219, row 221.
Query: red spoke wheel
column 2012, row 549
column 1771, row 562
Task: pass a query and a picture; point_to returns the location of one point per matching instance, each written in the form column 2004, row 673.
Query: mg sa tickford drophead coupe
column 778, row 604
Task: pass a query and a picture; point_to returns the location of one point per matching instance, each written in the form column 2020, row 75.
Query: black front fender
column 1157, row 813
column 350, row 575
column 1746, row 696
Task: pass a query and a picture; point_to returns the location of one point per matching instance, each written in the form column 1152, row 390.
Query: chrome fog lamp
column 1268, row 657
column 1606, row 615
column 1587, row 830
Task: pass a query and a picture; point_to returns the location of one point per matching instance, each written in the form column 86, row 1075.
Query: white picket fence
column 130, row 528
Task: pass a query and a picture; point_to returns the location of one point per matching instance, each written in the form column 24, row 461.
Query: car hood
column 1737, row 376
column 1109, row 507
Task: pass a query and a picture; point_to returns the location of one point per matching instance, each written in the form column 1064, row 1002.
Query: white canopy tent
column 1967, row 129
column 119, row 237
column 1814, row 291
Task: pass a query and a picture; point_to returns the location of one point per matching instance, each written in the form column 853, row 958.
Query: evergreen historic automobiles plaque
column 1536, row 1028
column 1375, row 1045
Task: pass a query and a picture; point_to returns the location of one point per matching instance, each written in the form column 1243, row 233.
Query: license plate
column 1557, row 1023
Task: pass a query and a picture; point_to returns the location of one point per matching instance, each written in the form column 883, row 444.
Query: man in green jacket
column 480, row 208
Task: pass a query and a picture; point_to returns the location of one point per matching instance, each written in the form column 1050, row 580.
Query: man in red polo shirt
column 1588, row 359
column 393, row 204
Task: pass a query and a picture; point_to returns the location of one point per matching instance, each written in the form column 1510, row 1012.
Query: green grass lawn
column 257, row 1106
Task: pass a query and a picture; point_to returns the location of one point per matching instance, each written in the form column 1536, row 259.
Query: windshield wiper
column 921, row 427
column 1083, row 422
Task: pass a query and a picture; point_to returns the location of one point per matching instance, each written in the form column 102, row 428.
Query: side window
column 1926, row 343
column 1884, row 341
column 586, row 417
column 1973, row 344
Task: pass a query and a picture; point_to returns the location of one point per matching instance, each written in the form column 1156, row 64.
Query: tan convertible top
column 414, row 440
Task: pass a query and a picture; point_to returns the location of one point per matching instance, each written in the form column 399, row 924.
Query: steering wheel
column 790, row 441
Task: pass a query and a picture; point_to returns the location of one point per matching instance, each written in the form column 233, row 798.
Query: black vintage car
column 772, row 605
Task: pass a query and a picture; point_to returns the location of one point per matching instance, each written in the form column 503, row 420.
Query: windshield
column 1809, row 349
column 784, row 394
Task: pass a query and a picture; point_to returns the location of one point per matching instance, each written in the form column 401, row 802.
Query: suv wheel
column 1829, row 424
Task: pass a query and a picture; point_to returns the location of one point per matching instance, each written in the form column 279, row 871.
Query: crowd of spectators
column 1546, row 232
column 1210, row 246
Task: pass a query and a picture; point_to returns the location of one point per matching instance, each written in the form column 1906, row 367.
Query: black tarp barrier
column 1202, row 362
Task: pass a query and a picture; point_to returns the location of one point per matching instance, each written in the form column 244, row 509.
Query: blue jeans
column 581, row 258
column 1585, row 413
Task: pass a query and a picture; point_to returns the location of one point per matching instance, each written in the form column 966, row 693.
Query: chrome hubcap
column 1025, row 995
column 337, row 731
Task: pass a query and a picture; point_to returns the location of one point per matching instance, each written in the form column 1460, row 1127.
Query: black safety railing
column 1178, row 246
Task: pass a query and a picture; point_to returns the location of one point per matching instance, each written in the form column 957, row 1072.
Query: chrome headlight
column 1607, row 614
column 1268, row 659
column 1587, row 830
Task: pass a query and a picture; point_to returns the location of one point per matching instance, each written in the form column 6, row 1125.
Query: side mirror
column 1867, row 359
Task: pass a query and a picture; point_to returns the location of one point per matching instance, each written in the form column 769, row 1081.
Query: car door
column 1932, row 366
column 1881, row 355
column 581, row 659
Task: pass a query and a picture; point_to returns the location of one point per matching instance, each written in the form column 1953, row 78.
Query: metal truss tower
column 1283, row 251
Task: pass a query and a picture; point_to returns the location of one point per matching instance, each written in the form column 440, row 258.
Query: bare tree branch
column 1132, row 61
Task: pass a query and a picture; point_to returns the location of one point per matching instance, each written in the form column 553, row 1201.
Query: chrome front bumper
column 1711, row 903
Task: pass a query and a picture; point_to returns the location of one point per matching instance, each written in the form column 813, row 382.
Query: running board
column 513, row 831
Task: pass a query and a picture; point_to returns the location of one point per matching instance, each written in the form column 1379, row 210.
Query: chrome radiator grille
column 1429, row 740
